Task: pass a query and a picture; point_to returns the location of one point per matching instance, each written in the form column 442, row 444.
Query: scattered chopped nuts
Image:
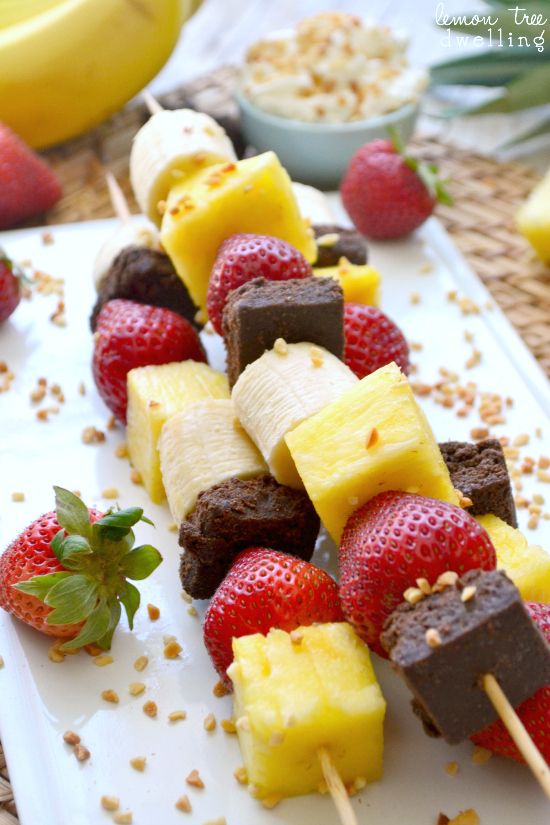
column 241, row 775
column 433, row 639
column 138, row 763
column 480, row 755
column 219, row 690
column 150, row 709
column 141, row 663
column 183, row 804
column 82, row 388
column 110, row 803
column 329, row 239
column 479, row 433
column 543, row 475
column 473, row 360
column 37, row 395
column 92, row 650
column 110, row 696
column 415, row 298
column 317, row 357
column 229, row 726
column 135, row 477
column 468, row 593
column 221, row 820
column 16, row 496
column 172, row 527
column 209, row 722
column 451, row 768
column 121, row 450
column 468, row 817
column 413, row 595
column 123, row 818
column 71, row 738
column 103, row 661
column 271, row 800
column 110, row 493
column 521, row 440
column 296, row 637
column 81, row 752
column 194, row 779
column 172, row 650
column 153, row 612
column 424, row 586
column 177, row 715
column 54, row 654
column 192, row 611
column 136, row 688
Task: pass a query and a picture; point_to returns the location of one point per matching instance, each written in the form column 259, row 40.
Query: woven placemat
column 486, row 194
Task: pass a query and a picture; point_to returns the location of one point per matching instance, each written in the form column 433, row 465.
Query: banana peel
column 66, row 68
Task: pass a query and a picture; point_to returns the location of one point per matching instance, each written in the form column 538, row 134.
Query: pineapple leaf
column 542, row 128
column 492, row 68
column 530, row 89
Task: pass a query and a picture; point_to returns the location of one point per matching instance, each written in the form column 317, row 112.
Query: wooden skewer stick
column 336, row 788
column 118, row 200
column 517, row 731
column 151, row 102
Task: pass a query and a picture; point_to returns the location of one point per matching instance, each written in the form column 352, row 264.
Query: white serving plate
column 40, row 700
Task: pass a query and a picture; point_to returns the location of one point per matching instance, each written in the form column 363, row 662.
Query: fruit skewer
column 151, row 102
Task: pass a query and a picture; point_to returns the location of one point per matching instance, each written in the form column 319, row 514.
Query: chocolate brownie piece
column 260, row 311
column 491, row 632
column 239, row 513
column 479, row 471
column 350, row 244
column 146, row 276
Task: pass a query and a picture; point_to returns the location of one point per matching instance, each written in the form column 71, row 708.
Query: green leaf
column 528, row 90
column 130, row 597
column 107, row 638
column 39, row 586
column 94, row 629
column 141, row 562
column 116, row 524
column 72, row 550
column 495, row 67
column 57, row 543
column 542, row 128
column 73, row 599
column 72, row 513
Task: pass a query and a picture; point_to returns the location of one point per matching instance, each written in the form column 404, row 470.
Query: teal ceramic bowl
column 319, row 153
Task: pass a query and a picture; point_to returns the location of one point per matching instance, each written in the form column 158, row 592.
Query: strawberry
column 395, row 539
column 388, row 194
column 534, row 712
column 132, row 335
column 243, row 257
column 372, row 340
column 264, row 589
column 66, row 574
column 27, row 186
column 10, row 291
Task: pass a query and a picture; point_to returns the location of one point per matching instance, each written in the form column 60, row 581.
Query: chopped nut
column 172, row 527
column 220, row 820
column 219, row 690
column 110, row 803
column 433, row 639
column 276, row 738
column 480, row 755
column 209, row 722
column 447, row 579
column 543, row 475
column 1, row 662
column 136, row 688
column 123, row 818
column 413, row 595
column 138, row 763
column 16, row 496
column 192, row 611
column 473, row 360
column 110, row 493
column 37, row 395
column 415, row 298
column 110, row 696
column 194, row 779
column 82, row 388
column 451, row 768
column 47, row 238
column 135, row 477
column 242, row 723
column 153, row 612
column 317, row 357
column 416, row 346
column 479, row 433
column 424, row 586
column 71, row 738
column 177, row 716
column 468, row 593
column 468, row 817
column 54, row 654
column 464, row 501
column 271, row 800
column 296, row 637
column 229, row 726
column 81, row 752
column 172, row 650
column 328, row 240
column 533, row 522
column 141, row 663
column 183, row 804
column 103, row 661
column 241, row 775
column 121, row 450
column 280, row 346
column 521, row 440
column 150, row 709
column 372, row 438
column 92, row 650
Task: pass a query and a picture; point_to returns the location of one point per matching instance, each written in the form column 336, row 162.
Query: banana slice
column 171, row 145
column 127, row 234
column 283, row 387
column 200, row 447
column 313, row 204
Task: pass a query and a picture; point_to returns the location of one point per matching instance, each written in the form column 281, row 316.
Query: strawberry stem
column 427, row 172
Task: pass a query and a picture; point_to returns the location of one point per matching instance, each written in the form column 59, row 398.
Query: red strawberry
column 244, row 257
column 395, row 539
column 134, row 335
column 386, row 194
column 10, row 291
column 27, row 186
column 534, row 712
column 65, row 575
column 264, row 589
column 372, row 340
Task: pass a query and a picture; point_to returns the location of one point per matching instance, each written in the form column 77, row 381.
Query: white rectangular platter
column 39, row 699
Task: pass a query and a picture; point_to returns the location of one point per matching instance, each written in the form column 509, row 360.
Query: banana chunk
column 127, row 234
column 313, row 204
column 200, row 447
column 282, row 388
column 170, row 146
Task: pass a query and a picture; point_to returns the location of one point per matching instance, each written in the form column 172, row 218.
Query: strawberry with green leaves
column 67, row 574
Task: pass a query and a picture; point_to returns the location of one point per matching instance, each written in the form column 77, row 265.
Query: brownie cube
column 491, row 632
column 260, row 311
column 336, row 242
column 236, row 514
column 479, row 471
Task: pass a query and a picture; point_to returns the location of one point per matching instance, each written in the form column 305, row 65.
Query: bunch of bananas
column 66, row 65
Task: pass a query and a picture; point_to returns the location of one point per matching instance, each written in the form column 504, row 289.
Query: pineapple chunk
column 533, row 219
column 292, row 699
column 527, row 565
column 253, row 195
column 200, row 447
column 373, row 438
column 360, row 284
column 155, row 393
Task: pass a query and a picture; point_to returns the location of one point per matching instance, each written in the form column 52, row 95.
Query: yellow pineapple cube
column 156, row 393
column 373, row 438
column 533, row 219
column 527, row 565
column 296, row 694
column 360, row 283
column 253, row 195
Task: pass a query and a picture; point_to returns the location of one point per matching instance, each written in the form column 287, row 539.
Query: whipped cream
column 334, row 67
